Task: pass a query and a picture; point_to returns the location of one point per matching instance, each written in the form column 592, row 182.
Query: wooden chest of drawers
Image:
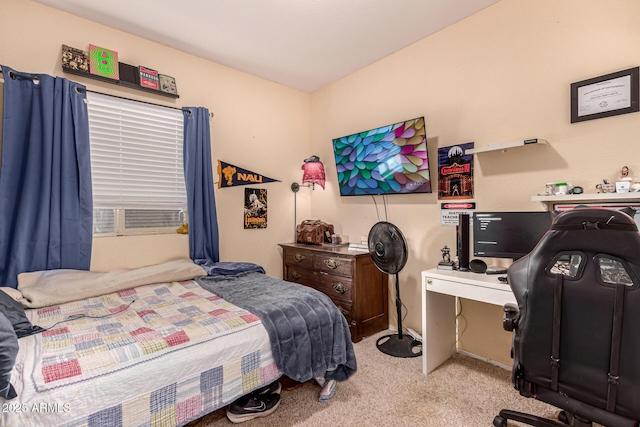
column 350, row 279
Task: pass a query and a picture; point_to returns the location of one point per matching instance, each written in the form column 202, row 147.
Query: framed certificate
column 605, row 96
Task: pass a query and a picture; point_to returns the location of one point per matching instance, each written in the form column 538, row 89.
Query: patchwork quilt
column 118, row 330
column 155, row 355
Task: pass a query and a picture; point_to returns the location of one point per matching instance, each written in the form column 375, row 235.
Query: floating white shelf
column 569, row 198
column 503, row 146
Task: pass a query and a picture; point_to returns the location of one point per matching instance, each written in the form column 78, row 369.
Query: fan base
column 394, row 346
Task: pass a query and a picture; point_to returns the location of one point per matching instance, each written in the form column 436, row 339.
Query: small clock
column 577, row 190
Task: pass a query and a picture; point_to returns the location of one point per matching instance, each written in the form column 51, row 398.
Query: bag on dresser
column 314, row 232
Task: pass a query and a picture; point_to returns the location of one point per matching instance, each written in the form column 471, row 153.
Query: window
column 137, row 169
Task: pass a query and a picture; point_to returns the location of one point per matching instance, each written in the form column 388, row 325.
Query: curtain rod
column 12, row 74
column 144, row 102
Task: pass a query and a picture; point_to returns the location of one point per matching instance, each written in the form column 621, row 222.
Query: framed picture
column 168, row 84
column 605, row 96
column 148, row 78
column 75, row 59
column 103, row 62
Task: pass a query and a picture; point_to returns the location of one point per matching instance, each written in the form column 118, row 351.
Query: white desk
column 439, row 291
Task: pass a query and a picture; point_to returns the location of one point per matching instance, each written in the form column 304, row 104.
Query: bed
column 164, row 352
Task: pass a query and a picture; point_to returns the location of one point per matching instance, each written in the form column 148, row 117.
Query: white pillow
column 46, row 288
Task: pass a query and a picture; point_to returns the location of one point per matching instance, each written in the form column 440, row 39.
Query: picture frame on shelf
column 605, row 96
column 149, row 78
column 129, row 74
column 75, row 59
column 104, row 62
column 168, row 84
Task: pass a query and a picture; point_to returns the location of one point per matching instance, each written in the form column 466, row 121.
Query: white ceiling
column 303, row 44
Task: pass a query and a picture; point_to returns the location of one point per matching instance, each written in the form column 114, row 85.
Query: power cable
column 80, row 316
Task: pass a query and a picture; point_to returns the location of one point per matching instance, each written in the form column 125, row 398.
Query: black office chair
column 576, row 341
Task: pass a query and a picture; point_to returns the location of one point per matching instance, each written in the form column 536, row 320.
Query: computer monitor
column 508, row 234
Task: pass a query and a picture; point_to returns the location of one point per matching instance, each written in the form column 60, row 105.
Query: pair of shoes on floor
column 274, row 387
column 260, row 403
column 328, row 390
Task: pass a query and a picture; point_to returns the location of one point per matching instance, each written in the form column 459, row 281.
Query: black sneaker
column 274, row 387
column 252, row 406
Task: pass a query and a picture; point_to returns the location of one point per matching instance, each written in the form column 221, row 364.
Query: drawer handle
column 429, row 281
column 343, row 311
column 332, row 263
column 295, row 275
column 340, row 288
column 298, row 257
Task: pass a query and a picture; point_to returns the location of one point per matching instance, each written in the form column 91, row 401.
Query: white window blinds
column 136, row 154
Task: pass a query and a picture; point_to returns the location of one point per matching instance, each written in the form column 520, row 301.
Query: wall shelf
column 119, row 82
column 503, row 146
column 593, row 197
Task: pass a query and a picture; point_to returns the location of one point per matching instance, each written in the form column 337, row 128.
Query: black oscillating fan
column 388, row 249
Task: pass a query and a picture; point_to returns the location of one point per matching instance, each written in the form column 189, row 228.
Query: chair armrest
column 510, row 319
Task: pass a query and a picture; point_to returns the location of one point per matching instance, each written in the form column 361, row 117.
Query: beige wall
column 258, row 125
column 500, row 75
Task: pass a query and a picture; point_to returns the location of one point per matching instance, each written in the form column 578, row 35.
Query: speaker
column 463, row 242
column 478, row 266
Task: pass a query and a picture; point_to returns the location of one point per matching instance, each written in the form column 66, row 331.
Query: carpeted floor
column 390, row 391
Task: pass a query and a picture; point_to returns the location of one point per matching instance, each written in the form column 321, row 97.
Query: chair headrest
column 588, row 218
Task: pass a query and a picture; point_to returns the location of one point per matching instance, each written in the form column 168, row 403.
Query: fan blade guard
column 387, row 247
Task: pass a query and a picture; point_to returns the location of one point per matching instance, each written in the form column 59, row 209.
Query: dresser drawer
column 299, row 257
column 345, row 309
column 338, row 287
column 333, row 264
column 297, row 274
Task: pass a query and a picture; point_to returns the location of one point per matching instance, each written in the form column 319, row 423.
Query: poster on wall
column 255, row 208
column 455, row 172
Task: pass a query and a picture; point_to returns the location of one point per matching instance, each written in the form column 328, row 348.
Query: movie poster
column 255, row 208
column 455, row 172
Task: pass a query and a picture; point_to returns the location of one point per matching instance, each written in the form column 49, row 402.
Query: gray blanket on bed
column 309, row 336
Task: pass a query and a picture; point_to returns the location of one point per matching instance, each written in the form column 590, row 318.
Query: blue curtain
column 198, row 176
column 46, row 208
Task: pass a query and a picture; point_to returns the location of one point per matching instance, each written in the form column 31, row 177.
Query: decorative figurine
column 624, row 174
column 624, row 184
column 446, row 263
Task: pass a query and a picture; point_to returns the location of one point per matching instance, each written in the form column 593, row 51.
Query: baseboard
column 484, row 359
column 407, row 331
